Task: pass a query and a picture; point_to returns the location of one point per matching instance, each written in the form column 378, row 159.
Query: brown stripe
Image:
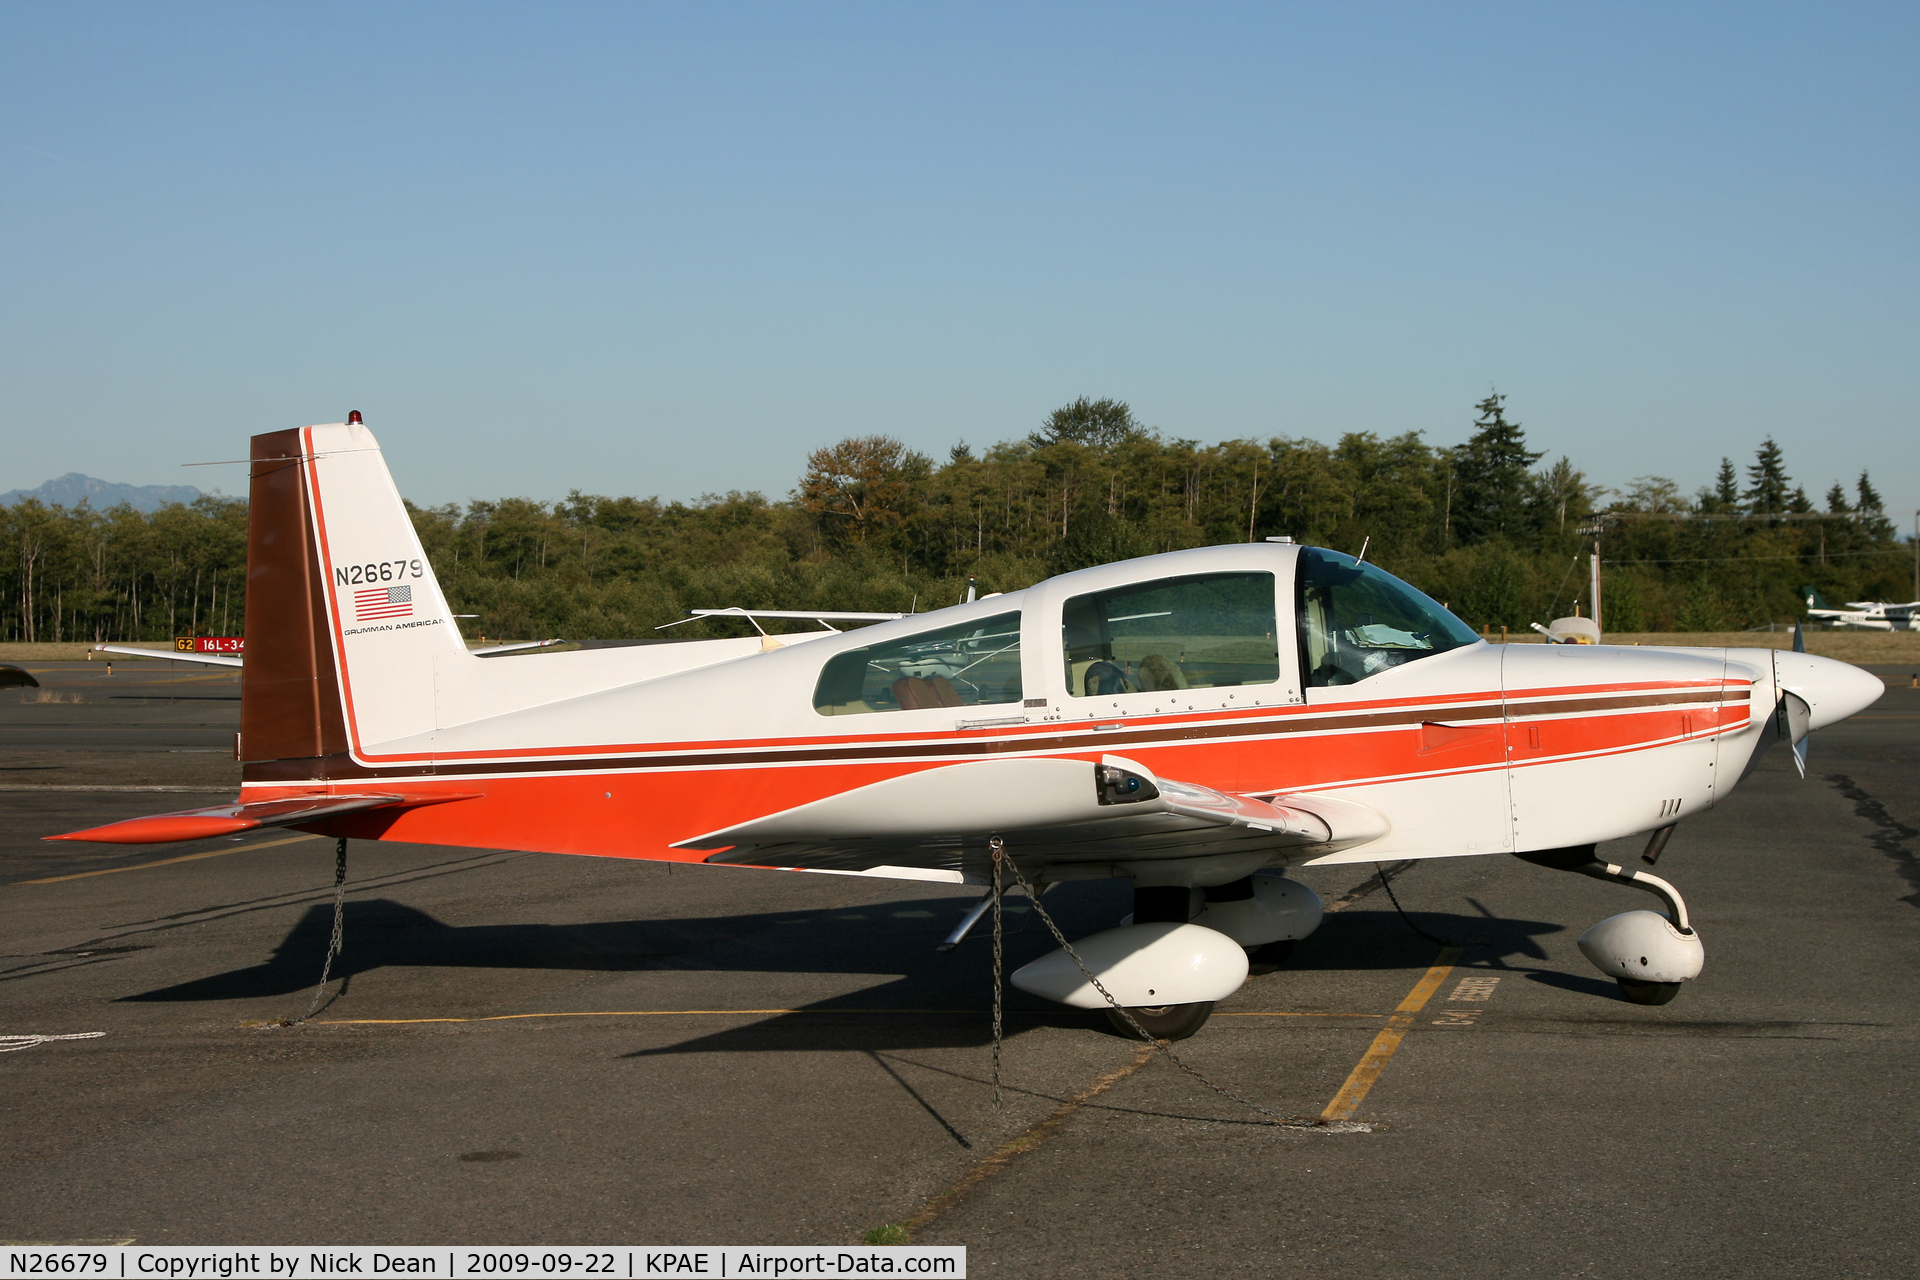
column 1574, row 706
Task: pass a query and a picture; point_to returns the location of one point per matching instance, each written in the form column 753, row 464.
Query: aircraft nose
column 1832, row 690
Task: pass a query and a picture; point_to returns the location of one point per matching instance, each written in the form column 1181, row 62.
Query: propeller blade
column 1792, row 721
column 1799, row 639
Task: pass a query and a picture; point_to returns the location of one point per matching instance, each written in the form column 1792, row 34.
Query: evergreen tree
column 1869, row 496
column 1727, row 487
column 1837, row 500
column 1494, row 475
column 1770, row 491
column 1872, row 512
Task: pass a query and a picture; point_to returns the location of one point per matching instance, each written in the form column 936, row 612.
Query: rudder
column 344, row 614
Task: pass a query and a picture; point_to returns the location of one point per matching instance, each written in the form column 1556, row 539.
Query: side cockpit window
column 1207, row 631
column 1357, row 620
column 969, row 665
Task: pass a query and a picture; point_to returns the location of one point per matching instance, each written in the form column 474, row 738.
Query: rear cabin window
column 971, row 665
column 1207, row 631
column 1357, row 621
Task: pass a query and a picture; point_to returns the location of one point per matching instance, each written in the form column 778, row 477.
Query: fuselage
column 1248, row 683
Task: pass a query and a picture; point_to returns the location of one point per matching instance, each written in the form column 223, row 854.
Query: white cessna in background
column 1864, row 615
column 1191, row 722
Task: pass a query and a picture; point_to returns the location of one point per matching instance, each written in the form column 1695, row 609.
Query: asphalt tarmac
column 522, row 1048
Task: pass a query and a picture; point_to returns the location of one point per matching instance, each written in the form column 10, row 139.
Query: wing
column 1063, row 818
column 225, row 819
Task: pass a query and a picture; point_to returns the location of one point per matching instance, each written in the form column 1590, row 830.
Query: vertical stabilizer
column 344, row 616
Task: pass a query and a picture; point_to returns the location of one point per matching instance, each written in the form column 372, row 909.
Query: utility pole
column 1593, row 571
column 1594, row 585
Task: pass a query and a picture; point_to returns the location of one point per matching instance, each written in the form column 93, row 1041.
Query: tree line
column 874, row 525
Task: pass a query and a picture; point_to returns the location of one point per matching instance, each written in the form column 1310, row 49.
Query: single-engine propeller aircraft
column 1192, row 722
column 1863, row 615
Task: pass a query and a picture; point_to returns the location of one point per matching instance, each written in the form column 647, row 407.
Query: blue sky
column 672, row 248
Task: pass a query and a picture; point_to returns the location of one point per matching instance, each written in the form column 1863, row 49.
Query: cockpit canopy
column 1124, row 629
column 1356, row 620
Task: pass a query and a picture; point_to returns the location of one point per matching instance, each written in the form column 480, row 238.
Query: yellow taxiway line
column 1387, row 1043
column 167, row 862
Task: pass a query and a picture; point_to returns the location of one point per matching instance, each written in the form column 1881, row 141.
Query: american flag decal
column 383, row 602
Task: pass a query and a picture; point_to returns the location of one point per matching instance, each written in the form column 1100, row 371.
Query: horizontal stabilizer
column 226, row 819
column 205, row 659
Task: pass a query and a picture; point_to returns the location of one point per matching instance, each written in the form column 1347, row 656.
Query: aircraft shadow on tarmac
column 895, row 939
column 1350, row 942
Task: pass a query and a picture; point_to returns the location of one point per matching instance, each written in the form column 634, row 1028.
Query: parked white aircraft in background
column 1191, row 722
column 1866, row 615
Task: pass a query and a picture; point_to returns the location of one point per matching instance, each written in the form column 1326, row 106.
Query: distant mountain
column 70, row 488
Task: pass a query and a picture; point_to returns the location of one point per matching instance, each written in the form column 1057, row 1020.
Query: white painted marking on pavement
column 9, row 1044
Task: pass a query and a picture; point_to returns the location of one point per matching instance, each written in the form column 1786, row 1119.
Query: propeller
column 1793, row 718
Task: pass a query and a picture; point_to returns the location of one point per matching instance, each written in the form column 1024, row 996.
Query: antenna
column 1362, row 557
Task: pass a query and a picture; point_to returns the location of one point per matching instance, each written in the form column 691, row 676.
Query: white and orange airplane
column 1192, row 721
column 1863, row 615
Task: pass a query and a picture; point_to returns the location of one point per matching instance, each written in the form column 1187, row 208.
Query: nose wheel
column 1650, row 954
column 1165, row 1021
column 1648, row 992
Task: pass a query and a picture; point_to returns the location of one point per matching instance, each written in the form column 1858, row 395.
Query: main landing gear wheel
column 1164, row 1021
column 1268, row 957
column 1648, row 992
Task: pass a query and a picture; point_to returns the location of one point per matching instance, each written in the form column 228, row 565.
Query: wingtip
column 166, row 828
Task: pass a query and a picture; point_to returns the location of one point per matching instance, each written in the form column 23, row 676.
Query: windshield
column 968, row 665
column 1357, row 620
